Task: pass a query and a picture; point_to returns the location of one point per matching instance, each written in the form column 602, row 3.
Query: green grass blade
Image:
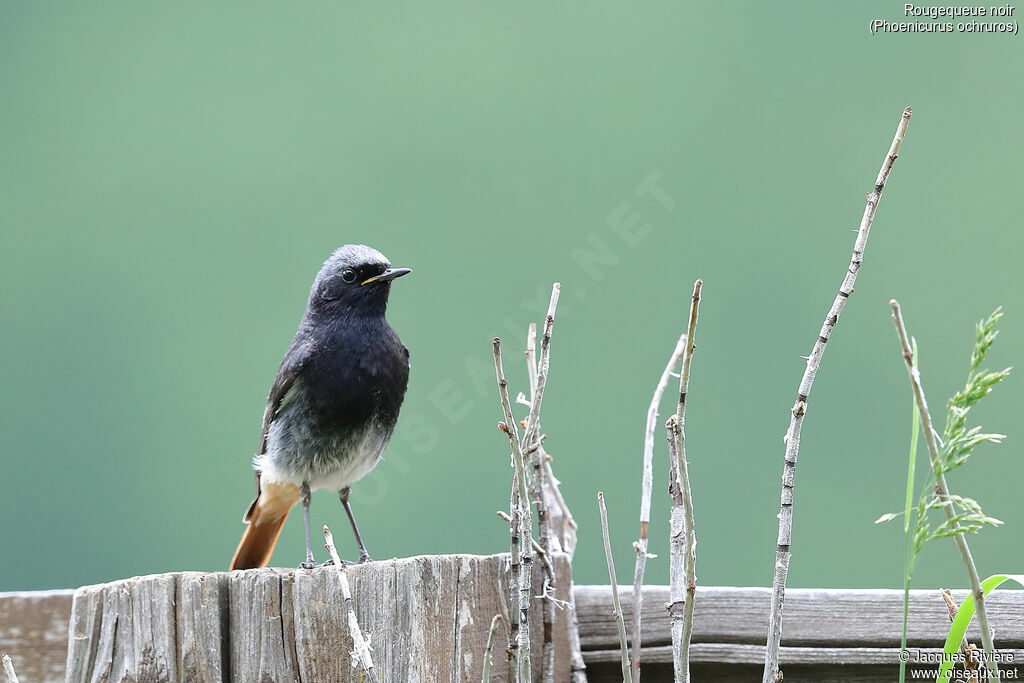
column 963, row 618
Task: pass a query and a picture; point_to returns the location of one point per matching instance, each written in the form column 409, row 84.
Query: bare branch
column 486, row 677
column 361, row 645
column 966, row 649
column 559, row 513
column 515, row 557
column 682, row 535
column 623, row 647
column 792, row 439
column 543, row 366
column 942, row 491
column 522, row 510
column 538, row 486
column 531, row 359
column 12, row 677
column 647, row 483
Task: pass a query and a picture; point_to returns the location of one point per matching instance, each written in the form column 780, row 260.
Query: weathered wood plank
column 731, row 653
column 34, row 631
column 813, row 617
column 735, row 663
column 257, row 640
column 426, row 618
column 125, row 631
column 201, row 652
column 830, row 635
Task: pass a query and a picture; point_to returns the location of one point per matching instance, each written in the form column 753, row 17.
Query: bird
column 334, row 402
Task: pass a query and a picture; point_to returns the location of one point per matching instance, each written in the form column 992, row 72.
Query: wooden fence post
column 426, row 618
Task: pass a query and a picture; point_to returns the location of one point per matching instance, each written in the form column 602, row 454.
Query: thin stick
column 12, row 677
column 555, row 510
column 538, row 382
column 647, row 483
column 556, row 526
column 515, row 556
column 623, row 648
column 532, row 441
column 525, row 514
column 360, row 644
column 792, row 439
column 559, row 513
column 531, row 359
column 577, row 667
column 942, row 491
column 682, row 535
column 968, row 650
column 543, row 366
column 486, row 677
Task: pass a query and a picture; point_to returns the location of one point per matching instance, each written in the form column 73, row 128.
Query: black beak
column 388, row 275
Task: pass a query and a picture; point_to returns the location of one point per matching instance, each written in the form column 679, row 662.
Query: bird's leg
column 343, row 495
column 304, row 497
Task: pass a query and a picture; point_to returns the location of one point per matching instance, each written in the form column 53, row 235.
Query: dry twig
column 561, row 521
column 514, row 570
column 361, row 645
column 792, row 438
column 966, row 649
column 538, row 486
column 623, row 647
column 486, row 677
column 524, row 515
column 942, row 491
column 558, row 512
column 682, row 536
column 12, row 677
column 647, row 483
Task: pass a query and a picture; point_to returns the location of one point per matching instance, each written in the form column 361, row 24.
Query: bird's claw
column 310, row 564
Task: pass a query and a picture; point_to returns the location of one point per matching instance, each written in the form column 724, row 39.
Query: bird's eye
column 348, row 275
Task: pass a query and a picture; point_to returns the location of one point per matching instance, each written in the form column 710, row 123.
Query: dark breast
column 358, row 374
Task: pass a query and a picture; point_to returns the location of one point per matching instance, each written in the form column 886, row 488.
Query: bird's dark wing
column 286, row 384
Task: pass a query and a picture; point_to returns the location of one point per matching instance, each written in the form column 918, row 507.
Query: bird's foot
column 364, row 557
column 312, row 564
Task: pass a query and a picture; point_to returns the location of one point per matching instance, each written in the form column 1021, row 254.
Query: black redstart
column 334, row 402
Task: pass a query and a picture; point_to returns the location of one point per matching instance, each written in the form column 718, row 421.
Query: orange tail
column 265, row 519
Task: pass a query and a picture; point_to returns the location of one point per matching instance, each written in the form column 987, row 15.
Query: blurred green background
column 173, row 174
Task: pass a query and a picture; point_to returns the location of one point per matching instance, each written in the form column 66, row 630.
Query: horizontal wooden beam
column 813, row 617
column 34, row 631
column 829, row 635
column 732, row 654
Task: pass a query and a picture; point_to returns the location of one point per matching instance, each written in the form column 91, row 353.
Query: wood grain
column 814, row 617
column 34, row 631
column 427, row 618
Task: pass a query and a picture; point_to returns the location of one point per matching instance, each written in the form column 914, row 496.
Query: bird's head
column 354, row 277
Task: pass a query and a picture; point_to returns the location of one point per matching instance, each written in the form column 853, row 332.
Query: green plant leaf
column 963, row 618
